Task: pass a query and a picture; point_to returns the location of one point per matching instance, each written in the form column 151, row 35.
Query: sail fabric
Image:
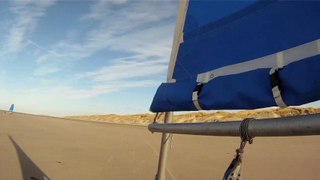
column 230, row 48
column 11, row 108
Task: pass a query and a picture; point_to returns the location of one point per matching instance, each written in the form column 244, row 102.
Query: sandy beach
column 34, row 147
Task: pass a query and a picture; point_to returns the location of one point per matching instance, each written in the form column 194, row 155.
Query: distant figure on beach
column 11, row 108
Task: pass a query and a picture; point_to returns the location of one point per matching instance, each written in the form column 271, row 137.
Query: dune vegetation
column 145, row 119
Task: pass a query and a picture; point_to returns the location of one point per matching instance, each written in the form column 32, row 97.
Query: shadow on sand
column 30, row 171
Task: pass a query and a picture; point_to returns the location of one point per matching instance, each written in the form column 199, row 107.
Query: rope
column 157, row 116
column 244, row 135
column 233, row 172
column 244, row 132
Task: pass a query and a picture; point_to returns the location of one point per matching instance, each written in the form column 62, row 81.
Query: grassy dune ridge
column 145, row 119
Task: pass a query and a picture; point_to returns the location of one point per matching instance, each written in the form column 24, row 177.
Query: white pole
column 177, row 39
column 165, row 141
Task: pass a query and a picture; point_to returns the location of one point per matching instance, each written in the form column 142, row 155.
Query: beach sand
column 36, row 146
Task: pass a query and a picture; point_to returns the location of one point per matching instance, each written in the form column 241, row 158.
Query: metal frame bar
column 287, row 126
column 164, row 147
column 177, row 39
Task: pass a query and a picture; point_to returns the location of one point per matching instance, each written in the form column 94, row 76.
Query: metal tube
column 165, row 141
column 177, row 39
column 287, row 126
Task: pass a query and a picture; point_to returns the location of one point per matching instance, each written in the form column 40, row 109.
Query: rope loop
column 244, row 132
column 233, row 172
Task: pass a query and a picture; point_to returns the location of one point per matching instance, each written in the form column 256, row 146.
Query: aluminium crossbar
column 304, row 125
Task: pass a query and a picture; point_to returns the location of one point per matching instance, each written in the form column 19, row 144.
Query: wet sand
column 33, row 147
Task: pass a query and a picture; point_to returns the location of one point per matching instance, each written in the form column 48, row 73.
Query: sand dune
column 145, row 119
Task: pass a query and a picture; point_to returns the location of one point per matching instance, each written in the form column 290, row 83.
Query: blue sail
column 11, row 108
column 245, row 55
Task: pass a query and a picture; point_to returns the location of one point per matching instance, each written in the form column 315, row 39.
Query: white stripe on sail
column 279, row 59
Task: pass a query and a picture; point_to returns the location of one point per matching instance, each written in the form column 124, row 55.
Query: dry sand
column 36, row 146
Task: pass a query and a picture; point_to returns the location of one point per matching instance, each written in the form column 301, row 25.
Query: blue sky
column 83, row 57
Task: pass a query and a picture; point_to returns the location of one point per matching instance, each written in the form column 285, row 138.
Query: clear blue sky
column 83, row 57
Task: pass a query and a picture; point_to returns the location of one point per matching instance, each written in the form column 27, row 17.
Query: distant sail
column 11, row 108
column 244, row 55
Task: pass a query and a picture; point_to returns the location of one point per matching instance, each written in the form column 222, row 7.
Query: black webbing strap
column 195, row 96
column 276, row 87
